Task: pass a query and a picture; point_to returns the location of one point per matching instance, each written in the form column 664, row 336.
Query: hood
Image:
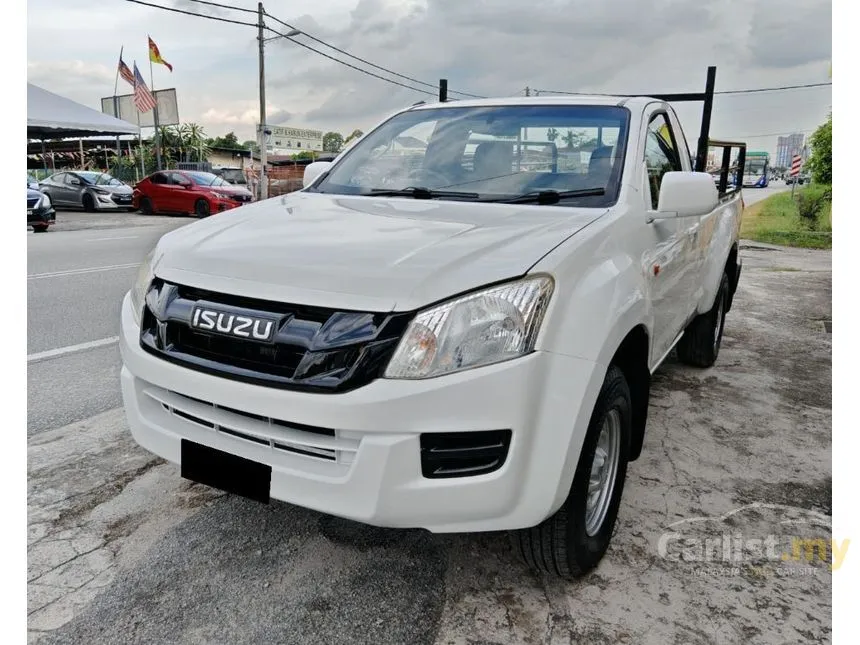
column 114, row 190
column 233, row 189
column 363, row 253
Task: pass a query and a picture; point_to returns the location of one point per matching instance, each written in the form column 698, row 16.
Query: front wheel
column 571, row 542
column 40, row 228
column 201, row 208
column 89, row 203
column 700, row 344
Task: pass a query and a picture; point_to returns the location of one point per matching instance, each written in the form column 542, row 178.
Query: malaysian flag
column 143, row 98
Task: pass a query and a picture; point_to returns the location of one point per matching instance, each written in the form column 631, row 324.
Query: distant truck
column 453, row 347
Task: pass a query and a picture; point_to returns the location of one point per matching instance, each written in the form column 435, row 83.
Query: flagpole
column 116, row 106
column 155, row 113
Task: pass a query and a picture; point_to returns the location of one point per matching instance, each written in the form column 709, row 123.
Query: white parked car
column 449, row 345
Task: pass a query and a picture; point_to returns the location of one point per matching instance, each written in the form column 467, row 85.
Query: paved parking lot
column 121, row 550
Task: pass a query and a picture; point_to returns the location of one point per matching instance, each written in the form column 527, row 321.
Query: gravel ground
column 736, row 465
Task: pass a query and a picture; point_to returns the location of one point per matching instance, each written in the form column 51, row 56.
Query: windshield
column 206, row 179
column 99, row 179
column 490, row 153
column 755, row 167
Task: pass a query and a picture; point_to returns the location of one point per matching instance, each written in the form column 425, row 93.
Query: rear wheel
column 700, row 344
column 570, row 543
column 201, row 208
column 89, row 203
column 146, row 206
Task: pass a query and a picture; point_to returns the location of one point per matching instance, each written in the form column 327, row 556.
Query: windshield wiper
column 551, row 196
column 419, row 192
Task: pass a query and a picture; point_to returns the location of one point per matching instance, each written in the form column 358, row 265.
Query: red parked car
column 187, row 192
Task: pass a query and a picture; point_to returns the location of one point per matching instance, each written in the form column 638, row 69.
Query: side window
column 159, row 178
column 59, row 179
column 661, row 154
column 70, row 180
column 178, row 180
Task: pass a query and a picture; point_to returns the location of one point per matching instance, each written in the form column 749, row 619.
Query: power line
column 337, row 60
column 366, row 62
column 191, row 13
column 748, row 91
column 225, row 6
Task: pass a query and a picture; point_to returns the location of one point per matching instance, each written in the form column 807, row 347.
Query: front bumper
column 545, row 399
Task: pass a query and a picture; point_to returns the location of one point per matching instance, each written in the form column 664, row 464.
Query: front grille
column 322, row 444
column 313, row 348
column 241, row 198
column 463, row 454
column 122, row 199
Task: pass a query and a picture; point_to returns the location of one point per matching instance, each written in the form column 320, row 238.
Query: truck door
column 672, row 265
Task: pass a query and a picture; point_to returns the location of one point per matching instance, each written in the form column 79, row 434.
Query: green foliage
column 820, row 162
column 229, row 140
column 801, row 222
column 332, row 142
column 355, row 135
column 551, row 134
column 304, row 154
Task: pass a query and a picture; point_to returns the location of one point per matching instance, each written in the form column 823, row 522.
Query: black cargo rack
column 704, row 142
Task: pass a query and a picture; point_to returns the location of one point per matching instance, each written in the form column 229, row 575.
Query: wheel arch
column 631, row 358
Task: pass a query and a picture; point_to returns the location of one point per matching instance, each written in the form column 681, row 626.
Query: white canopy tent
column 50, row 116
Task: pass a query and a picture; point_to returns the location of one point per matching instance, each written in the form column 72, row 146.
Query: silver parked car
column 92, row 191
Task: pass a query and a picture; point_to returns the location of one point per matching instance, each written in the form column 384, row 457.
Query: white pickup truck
column 453, row 326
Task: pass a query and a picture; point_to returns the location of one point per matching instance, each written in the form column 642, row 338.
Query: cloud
column 485, row 47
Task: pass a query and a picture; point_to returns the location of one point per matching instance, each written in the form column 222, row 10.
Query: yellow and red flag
column 155, row 55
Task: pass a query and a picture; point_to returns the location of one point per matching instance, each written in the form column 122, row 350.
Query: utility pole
column 264, row 182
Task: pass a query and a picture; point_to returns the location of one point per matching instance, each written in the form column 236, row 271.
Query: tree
column 572, row 139
column 305, row 154
column 332, row 142
column 355, row 135
column 251, row 145
column 820, row 162
column 229, row 140
column 551, row 134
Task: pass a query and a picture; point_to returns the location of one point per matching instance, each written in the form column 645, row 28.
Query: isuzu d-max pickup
column 452, row 326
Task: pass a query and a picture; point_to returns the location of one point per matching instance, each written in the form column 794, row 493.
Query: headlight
column 220, row 195
column 141, row 285
column 485, row 327
column 44, row 201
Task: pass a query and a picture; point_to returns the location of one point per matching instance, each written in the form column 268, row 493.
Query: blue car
column 40, row 210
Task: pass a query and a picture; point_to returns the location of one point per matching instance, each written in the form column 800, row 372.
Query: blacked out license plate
column 226, row 472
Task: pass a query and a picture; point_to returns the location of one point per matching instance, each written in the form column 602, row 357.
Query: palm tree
column 194, row 139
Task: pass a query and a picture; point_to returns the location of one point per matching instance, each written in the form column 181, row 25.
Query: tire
column 146, row 206
column 40, row 228
column 700, row 344
column 201, row 208
column 89, row 203
column 572, row 542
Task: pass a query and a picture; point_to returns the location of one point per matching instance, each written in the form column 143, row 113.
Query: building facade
column 787, row 147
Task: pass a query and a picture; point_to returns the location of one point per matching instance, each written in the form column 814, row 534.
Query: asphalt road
column 76, row 278
column 122, row 550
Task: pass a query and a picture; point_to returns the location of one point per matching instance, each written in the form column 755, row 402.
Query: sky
column 484, row 47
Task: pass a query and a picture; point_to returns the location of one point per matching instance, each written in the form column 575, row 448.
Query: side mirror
column 686, row 194
column 313, row 171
